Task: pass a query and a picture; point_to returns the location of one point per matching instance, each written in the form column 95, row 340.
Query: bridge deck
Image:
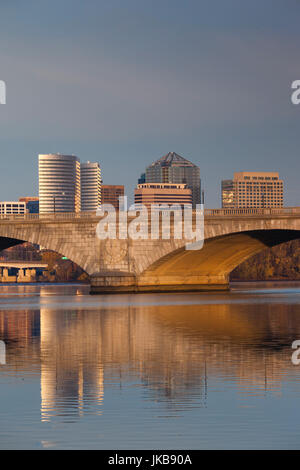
column 22, row 264
column 285, row 211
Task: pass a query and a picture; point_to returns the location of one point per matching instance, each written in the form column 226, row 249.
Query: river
column 149, row 371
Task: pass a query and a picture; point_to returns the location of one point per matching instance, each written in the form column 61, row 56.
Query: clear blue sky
column 123, row 82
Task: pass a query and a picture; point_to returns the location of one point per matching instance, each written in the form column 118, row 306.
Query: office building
column 12, row 208
column 162, row 193
column 172, row 168
column 228, row 194
column 59, row 183
column 32, row 204
column 252, row 190
column 90, row 186
column 111, row 194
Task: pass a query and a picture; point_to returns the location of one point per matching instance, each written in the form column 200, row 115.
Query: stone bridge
column 231, row 236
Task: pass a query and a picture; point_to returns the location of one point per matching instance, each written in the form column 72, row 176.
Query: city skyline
column 91, row 166
column 143, row 89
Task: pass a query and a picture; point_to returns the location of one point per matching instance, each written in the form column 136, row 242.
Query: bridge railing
column 248, row 211
column 51, row 216
column 207, row 212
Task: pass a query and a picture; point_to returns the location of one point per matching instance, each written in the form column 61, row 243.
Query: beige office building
column 59, row 183
column 90, row 186
column 252, row 190
column 162, row 193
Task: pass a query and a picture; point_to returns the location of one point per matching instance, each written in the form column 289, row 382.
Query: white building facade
column 90, row 186
column 59, row 183
column 12, row 208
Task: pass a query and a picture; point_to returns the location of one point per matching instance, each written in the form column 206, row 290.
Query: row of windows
column 258, row 200
column 259, row 206
column 258, row 182
column 15, row 206
column 261, row 178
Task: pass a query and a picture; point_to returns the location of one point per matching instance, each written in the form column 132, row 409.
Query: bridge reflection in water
column 174, row 352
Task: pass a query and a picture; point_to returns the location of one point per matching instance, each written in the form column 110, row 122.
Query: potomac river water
column 149, row 371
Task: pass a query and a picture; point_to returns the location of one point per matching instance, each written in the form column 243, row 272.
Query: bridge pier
column 109, row 282
column 122, row 282
column 182, row 283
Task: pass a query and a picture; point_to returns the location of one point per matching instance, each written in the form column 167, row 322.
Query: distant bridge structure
column 26, row 270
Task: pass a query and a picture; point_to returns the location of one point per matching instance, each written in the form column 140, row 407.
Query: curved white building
column 59, row 183
column 90, row 186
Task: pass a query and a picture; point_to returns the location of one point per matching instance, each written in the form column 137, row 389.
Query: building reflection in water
column 174, row 353
column 71, row 363
column 20, row 330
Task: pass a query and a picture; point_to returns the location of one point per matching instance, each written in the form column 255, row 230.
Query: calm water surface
column 173, row 371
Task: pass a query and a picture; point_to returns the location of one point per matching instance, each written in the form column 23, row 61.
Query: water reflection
column 175, row 353
column 71, row 363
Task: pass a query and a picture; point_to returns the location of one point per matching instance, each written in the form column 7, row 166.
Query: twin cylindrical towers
column 65, row 185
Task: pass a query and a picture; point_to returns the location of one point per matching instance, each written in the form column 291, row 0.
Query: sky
column 123, row 82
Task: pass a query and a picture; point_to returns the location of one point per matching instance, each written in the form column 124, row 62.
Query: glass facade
column 172, row 168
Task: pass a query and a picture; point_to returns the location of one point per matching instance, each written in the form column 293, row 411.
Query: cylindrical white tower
column 59, row 183
column 90, row 186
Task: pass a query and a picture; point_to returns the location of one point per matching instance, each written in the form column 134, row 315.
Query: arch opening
column 211, row 266
column 60, row 268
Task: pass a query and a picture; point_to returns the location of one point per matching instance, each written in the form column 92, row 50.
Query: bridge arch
column 6, row 243
column 57, row 237
column 211, row 266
